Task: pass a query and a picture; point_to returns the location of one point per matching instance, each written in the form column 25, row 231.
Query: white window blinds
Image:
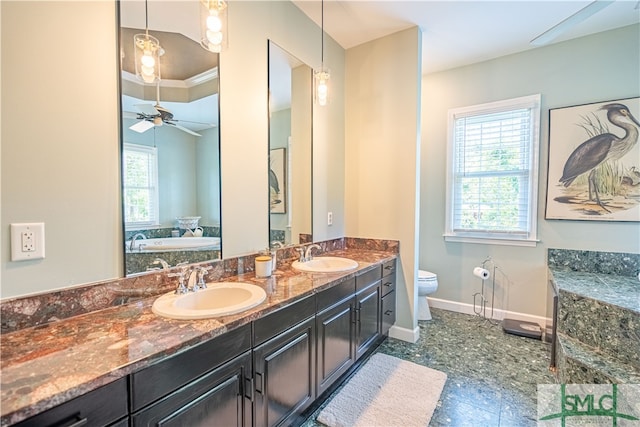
column 140, row 167
column 493, row 170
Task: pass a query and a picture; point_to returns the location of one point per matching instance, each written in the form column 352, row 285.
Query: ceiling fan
column 155, row 115
column 570, row 22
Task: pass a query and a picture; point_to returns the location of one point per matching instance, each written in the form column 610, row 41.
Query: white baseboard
column 498, row 314
column 405, row 334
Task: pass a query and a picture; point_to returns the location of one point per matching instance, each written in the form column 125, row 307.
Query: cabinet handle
column 259, row 382
column 389, row 267
column 387, row 284
column 249, row 388
column 79, row 423
column 388, row 312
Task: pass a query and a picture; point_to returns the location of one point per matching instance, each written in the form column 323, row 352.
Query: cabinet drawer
column 156, row 381
column 389, row 268
column 335, row 294
column 281, row 320
column 369, row 277
column 100, row 407
column 388, row 285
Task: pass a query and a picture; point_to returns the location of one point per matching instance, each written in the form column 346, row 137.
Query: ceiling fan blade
column 584, row 13
column 182, row 128
column 147, row 109
column 141, row 126
column 129, row 115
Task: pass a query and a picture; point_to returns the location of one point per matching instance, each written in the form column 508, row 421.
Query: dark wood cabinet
column 219, row 398
column 335, row 328
column 206, row 385
column 285, row 375
column 262, row 374
column 104, row 406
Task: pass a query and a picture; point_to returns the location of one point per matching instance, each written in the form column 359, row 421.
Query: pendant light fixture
column 213, row 18
column 147, row 53
column 322, row 75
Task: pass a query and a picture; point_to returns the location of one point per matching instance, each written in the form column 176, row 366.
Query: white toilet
column 427, row 284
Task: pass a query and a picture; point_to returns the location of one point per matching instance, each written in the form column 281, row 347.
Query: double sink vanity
column 258, row 366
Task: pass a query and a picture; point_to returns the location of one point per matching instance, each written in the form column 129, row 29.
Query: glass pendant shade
column 213, row 19
column 321, row 86
column 147, row 57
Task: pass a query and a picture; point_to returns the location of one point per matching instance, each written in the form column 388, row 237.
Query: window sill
column 490, row 240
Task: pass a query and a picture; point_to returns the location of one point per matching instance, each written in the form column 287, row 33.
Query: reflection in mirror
column 170, row 142
column 290, row 118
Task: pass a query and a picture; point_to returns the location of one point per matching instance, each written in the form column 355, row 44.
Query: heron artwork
column 601, row 148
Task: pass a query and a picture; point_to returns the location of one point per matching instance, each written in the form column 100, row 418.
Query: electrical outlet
column 329, row 218
column 27, row 241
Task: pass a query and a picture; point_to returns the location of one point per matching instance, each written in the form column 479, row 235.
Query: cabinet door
column 285, row 375
column 367, row 318
column 216, row 399
column 335, row 338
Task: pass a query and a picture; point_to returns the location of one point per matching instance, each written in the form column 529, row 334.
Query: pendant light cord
column 322, row 35
column 146, row 17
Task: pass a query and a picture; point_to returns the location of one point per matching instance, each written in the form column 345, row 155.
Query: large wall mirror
column 290, row 148
column 170, row 139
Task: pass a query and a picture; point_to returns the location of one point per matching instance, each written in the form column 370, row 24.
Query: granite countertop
column 621, row 291
column 46, row 365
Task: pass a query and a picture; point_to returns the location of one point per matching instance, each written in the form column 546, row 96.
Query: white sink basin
column 326, row 264
column 219, row 299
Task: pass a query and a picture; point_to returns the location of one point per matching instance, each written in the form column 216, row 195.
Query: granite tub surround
column 617, row 263
column 598, row 323
column 55, row 360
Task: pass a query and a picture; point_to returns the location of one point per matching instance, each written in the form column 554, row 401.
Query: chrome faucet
column 187, row 278
column 182, row 276
column 135, row 237
column 200, row 284
column 307, row 253
column 159, row 261
column 163, row 263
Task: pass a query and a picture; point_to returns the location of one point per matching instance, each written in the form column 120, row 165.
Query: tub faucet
column 307, row 253
column 277, row 244
column 135, row 237
column 163, row 263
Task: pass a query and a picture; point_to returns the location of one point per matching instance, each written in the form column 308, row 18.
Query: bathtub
column 173, row 243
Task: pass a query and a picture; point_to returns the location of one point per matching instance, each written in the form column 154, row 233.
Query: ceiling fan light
column 157, row 121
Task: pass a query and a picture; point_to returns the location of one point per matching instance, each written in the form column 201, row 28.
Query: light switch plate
column 27, row 241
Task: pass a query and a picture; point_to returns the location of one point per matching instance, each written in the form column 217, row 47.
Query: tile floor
column 491, row 376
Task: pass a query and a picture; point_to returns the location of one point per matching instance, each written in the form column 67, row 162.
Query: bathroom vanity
column 263, row 367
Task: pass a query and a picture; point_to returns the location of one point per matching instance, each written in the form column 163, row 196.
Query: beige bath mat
column 386, row 392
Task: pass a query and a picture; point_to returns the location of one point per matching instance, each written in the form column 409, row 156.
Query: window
column 140, row 166
column 492, row 177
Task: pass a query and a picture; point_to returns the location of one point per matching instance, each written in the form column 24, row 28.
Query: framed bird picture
column 594, row 162
column 278, row 180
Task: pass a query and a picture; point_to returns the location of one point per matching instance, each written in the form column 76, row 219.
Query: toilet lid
column 426, row 275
